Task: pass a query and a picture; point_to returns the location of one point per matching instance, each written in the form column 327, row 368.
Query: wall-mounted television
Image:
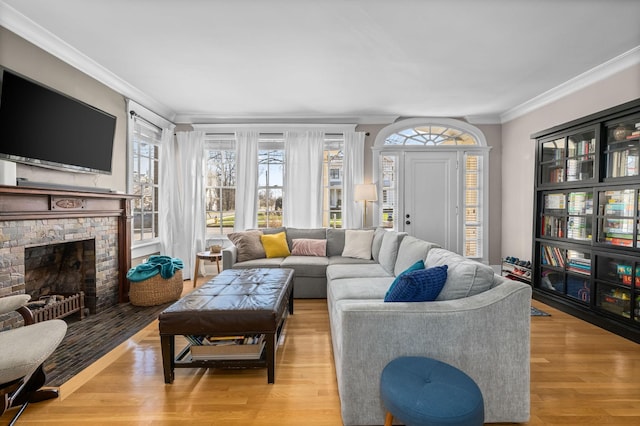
column 43, row 127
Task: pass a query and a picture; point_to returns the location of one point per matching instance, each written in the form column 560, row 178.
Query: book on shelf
column 579, row 265
column 552, row 256
column 619, row 242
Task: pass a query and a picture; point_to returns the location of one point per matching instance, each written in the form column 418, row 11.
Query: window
column 472, row 206
column 145, row 147
column 332, row 181
column 271, row 160
column 220, row 184
column 389, row 199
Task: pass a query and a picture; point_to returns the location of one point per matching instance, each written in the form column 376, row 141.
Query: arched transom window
column 430, row 136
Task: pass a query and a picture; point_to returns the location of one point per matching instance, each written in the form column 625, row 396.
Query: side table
column 205, row 255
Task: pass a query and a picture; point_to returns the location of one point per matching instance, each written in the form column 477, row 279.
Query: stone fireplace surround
column 31, row 217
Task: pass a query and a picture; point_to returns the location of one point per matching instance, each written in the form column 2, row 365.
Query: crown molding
column 19, row 24
column 195, row 118
column 598, row 73
column 483, row 119
column 273, row 127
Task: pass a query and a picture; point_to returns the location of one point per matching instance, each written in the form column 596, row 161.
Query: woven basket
column 156, row 290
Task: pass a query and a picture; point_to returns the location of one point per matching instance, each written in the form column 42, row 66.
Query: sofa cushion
column 389, row 249
column 268, row 231
column 275, row 245
column 274, row 262
column 308, row 247
column 358, row 270
column 335, row 241
column 358, row 288
column 465, row 277
column 339, row 260
column 415, row 267
column 357, row 243
column 308, row 233
column 307, row 266
column 410, row 251
column 378, row 235
column 248, row 244
column 422, row 285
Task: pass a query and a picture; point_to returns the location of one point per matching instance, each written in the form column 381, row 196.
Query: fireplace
column 93, row 229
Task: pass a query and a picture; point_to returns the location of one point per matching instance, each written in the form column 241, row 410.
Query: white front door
column 431, row 198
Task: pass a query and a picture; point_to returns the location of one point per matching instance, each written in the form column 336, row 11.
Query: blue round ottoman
column 423, row 391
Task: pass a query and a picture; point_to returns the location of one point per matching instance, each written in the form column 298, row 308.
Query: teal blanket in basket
column 164, row 265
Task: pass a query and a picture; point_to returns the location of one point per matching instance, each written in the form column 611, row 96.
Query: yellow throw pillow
column 275, row 245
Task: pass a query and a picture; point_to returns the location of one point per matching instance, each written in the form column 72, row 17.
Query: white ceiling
column 332, row 60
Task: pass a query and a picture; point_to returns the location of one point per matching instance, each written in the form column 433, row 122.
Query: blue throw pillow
column 418, row 286
column 415, row 267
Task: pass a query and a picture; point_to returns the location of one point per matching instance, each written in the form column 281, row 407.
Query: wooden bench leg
column 167, row 344
column 271, row 347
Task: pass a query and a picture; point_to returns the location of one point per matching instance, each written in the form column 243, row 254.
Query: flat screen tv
column 43, row 127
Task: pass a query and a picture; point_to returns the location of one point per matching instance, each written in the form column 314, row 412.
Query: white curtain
column 353, row 174
column 246, row 180
column 169, row 209
column 302, row 204
column 189, row 225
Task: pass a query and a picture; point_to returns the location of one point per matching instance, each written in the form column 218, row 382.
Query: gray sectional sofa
column 479, row 323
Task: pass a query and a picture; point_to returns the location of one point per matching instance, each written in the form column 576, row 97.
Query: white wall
column 518, row 151
column 24, row 58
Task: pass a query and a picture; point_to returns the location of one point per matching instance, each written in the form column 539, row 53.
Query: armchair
column 23, row 351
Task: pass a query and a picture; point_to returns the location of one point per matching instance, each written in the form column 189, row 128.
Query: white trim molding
column 19, row 24
column 273, row 127
column 598, row 73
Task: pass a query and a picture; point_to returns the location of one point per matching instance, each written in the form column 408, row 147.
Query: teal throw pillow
column 415, row 267
column 423, row 285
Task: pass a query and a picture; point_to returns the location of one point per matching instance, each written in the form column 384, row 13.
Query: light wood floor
column 580, row 374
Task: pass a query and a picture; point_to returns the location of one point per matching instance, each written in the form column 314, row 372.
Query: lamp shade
column 365, row 192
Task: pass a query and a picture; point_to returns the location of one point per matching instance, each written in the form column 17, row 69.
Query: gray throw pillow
column 377, row 243
column 465, row 277
column 389, row 249
column 248, row 244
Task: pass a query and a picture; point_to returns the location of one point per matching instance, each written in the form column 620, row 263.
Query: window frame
column 146, row 247
column 219, row 142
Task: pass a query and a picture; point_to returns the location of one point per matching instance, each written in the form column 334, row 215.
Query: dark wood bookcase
column 586, row 250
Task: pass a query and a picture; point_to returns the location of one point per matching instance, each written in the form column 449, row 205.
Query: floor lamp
column 365, row 192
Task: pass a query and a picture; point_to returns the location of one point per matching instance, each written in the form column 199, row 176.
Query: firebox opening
column 62, row 269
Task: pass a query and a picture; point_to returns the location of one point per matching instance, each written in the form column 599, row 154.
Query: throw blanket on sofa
column 164, row 265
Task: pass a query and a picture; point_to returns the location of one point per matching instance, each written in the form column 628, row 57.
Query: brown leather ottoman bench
column 235, row 302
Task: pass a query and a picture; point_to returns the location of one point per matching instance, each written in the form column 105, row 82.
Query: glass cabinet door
column 579, row 275
column 552, row 261
column 569, row 158
column 581, row 155
column 553, row 221
column 580, row 215
column 552, row 161
column 623, row 148
column 616, row 217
